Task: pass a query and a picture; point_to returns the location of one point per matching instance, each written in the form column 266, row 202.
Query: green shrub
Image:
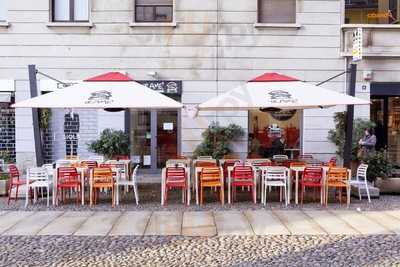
column 111, row 143
column 338, row 136
column 378, row 165
column 216, row 140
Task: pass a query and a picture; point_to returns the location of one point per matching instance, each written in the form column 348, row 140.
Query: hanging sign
column 357, row 44
column 164, row 87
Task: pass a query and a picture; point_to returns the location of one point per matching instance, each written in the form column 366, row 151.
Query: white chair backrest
column 276, row 173
column 134, row 173
column 362, row 171
column 37, row 174
column 98, row 158
column 204, row 157
column 280, row 157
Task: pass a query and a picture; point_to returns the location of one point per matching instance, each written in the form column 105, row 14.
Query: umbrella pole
column 348, row 145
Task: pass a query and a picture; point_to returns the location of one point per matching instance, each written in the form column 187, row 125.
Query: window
column 277, row 11
column 371, row 11
column 70, row 10
column 154, row 10
column 3, row 10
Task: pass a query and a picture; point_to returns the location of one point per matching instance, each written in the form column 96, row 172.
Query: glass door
column 393, row 127
column 141, row 136
column 167, row 136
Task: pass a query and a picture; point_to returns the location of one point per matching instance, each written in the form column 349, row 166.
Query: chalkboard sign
column 164, row 87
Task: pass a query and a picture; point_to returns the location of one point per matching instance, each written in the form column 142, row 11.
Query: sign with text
column 164, row 87
column 357, row 44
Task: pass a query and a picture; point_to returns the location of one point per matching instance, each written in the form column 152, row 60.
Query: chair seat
column 275, row 183
column 210, row 183
column 70, row 184
column 337, row 184
column 40, row 184
column 243, row 183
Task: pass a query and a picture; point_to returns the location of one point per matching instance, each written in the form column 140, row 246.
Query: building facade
column 205, row 48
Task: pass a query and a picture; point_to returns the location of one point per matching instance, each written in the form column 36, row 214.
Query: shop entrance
column 385, row 112
column 274, row 132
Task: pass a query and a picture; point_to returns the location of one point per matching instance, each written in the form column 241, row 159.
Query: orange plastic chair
column 337, row 178
column 102, row 179
column 212, row 177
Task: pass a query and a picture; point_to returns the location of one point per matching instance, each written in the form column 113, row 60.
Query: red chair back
column 13, row 173
column 229, row 163
column 175, row 175
column 312, row 175
column 67, row 175
column 242, row 173
column 89, row 163
column 105, row 165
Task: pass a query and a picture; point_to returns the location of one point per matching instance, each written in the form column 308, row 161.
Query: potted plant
column 111, row 143
column 381, row 171
column 217, row 140
column 4, row 181
column 338, row 136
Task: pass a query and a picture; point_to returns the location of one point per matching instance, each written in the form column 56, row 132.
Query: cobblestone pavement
column 216, row 251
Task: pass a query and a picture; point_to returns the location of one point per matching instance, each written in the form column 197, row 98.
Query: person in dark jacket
column 368, row 142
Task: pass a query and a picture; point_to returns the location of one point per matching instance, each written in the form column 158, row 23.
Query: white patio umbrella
column 273, row 91
column 110, row 91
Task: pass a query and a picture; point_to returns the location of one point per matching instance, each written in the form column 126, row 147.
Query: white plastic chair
column 274, row 177
column 361, row 180
column 280, row 157
column 37, row 178
column 123, row 181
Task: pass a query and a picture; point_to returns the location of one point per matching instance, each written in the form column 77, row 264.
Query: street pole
column 350, row 118
column 35, row 116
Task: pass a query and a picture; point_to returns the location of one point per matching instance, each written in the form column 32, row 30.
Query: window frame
column 4, row 22
column 172, row 23
column 278, row 25
column 366, row 26
column 71, row 14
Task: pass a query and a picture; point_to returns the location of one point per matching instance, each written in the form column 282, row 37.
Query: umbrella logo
column 280, row 96
column 100, row 97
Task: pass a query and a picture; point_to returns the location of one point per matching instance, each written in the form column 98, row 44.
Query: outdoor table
column 230, row 169
column 126, row 162
column 163, row 185
column 298, row 169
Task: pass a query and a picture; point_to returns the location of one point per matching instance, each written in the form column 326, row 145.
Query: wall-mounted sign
column 283, row 115
column 168, row 126
column 164, row 87
column 357, row 44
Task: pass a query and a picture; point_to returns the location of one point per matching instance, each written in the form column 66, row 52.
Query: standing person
column 368, row 142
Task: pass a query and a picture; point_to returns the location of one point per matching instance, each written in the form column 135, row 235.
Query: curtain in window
column 277, row 11
column 3, row 10
column 81, row 10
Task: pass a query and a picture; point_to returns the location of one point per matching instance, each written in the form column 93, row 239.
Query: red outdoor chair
column 243, row 176
column 312, row 177
column 175, row 177
column 14, row 182
column 68, row 178
column 229, row 163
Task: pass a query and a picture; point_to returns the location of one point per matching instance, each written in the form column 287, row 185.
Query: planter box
column 3, row 187
column 388, row 185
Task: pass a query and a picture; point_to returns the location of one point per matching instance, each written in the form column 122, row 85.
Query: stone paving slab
column 264, row 222
column 165, row 223
column 330, row 223
column 66, row 224
column 99, row 224
column 389, row 222
column 232, row 223
column 361, row 222
column 393, row 213
column 198, row 223
column 131, row 223
column 299, row 223
column 31, row 225
column 7, row 220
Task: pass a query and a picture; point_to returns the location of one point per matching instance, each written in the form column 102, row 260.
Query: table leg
column 229, row 187
column 83, row 187
column 90, row 188
column 297, row 188
column 54, row 187
column 162, row 187
column 188, row 189
column 197, row 186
